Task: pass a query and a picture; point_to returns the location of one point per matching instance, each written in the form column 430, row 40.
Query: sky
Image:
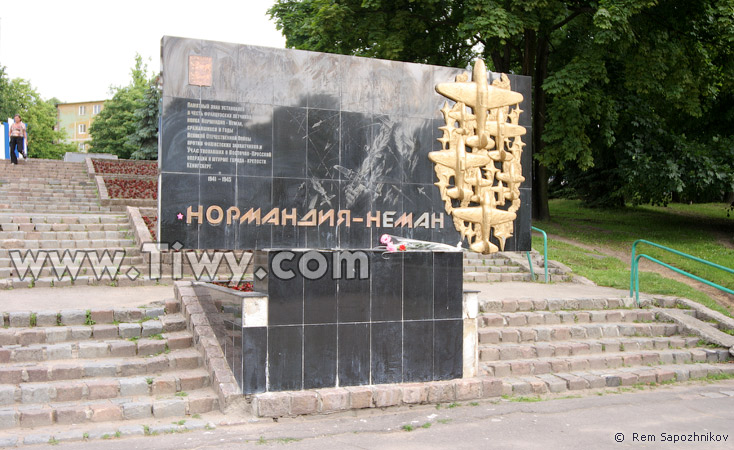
column 75, row 50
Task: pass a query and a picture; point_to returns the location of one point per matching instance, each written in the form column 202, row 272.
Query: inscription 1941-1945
column 274, row 148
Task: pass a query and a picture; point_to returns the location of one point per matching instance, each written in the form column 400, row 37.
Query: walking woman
column 17, row 135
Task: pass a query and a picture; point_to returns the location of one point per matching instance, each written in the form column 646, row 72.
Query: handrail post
column 530, row 264
column 633, row 265
column 545, row 251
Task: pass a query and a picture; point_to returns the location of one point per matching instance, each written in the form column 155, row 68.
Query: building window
column 82, row 128
column 82, row 147
column 82, row 110
column 96, row 109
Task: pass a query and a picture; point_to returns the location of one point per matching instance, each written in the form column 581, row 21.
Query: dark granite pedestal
column 378, row 318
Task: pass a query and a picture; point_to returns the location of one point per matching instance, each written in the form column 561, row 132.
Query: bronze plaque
column 200, row 70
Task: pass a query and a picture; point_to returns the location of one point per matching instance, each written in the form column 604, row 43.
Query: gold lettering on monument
column 478, row 169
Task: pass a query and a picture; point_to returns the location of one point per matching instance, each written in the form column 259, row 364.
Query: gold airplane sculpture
column 484, row 215
column 480, row 96
column 461, row 162
column 478, row 169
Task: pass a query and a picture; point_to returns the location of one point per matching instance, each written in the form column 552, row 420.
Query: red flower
column 149, row 168
column 124, row 188
column 242, row 287
column 401, row 247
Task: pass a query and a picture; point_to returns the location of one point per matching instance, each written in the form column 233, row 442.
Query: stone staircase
column 541, row 346
column 43, row 186
column 51, row 207
column 83, row 374
column 506, row 266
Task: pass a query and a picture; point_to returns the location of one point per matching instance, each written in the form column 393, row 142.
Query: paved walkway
column 516, row 289
column 82, row 297
column 606, row 421
column 89, row 297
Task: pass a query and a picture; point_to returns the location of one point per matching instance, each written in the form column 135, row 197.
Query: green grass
column 691, row 229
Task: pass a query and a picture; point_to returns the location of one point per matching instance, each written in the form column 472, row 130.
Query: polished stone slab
column 398, row 320
column 295, row 149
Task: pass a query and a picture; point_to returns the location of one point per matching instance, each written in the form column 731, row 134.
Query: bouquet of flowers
column 401, row 244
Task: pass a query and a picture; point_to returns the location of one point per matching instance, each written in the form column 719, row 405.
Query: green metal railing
column 635, row 268
column 545, row 255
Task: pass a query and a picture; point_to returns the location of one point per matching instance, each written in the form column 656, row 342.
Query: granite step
column 129, row 250
column 167, row 312
column 557, row 304
column 95, row 350
column 72, row 388
column 499, row 352
column 483, row 277
column 65, row 235
column 136, row 333
column 502, row 319
column 108, row 410
column 610, row 378
column 70, row 219
column 6, row 264
column 46, row 244
column 564, row 332
column 607, row 360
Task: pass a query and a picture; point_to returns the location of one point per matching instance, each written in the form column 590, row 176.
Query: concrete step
column 132, row 333
column 7, row 263
column 48, row 244
column 501, row 352
column 59, row 228
column 65, row 235
column 74, row 389
column 483, row 277
column 565, row 332
column 493, row 269
column 551, row 318
column 616, row 377
column 50, row 218
column 35, row 320
column 95, row 350
column 129, row 250
column 556, row 304
column 109, row 410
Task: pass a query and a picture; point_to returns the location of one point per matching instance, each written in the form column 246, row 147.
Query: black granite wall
column 402, row 323
column 302, row 131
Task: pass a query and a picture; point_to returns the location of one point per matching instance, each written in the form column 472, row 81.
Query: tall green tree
column 113, row 126
column 145, row 137
column 592, row 63
column 17, row 96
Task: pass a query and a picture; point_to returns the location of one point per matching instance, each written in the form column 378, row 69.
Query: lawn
column 699, row 230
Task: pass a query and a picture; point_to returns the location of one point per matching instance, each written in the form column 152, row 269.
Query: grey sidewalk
column 89, row 297
column 82, row 297
column 610, row 421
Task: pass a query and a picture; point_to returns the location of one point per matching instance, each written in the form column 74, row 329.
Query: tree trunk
column 729, row 197
column 540, row 192
column 540, row 174
column 528, row 60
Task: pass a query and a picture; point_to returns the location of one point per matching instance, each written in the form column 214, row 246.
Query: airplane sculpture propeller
column 478, row 169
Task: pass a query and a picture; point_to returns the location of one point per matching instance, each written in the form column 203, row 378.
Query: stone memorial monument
column 308, row 159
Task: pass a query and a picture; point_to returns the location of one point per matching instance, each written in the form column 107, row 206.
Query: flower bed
column 151, row 222
column 131, row 188
column 243, row 286
column 145, row 168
